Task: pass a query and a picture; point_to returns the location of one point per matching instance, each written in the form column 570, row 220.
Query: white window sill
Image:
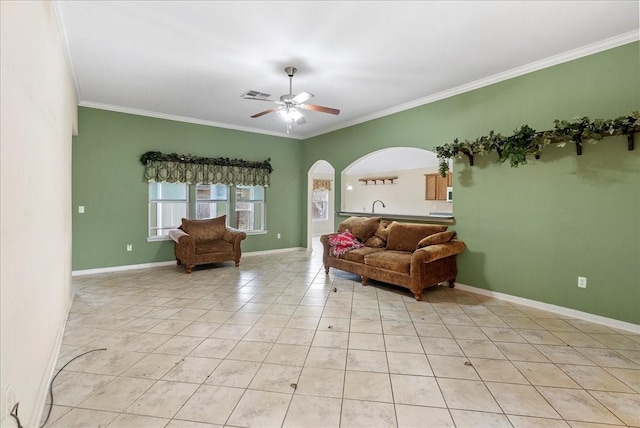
column 256, row 232
column 168, row 238
column 159, row 238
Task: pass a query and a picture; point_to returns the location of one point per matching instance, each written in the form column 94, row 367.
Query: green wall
column 531, row 231
column 107, row 180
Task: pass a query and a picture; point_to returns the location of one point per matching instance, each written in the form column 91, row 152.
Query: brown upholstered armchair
column 206, row 241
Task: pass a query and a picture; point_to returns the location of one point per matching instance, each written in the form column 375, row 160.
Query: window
column 168, row 204
column 249, row 209
column 320, row 204
column 212, row 200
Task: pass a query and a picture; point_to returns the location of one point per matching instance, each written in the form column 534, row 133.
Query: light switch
column 81, row 209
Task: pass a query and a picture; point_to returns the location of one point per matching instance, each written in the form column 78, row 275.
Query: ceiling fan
column 288, row 106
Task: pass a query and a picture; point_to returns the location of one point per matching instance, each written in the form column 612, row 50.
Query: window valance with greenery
column 174, row 168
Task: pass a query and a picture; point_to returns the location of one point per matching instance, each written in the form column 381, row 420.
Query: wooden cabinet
column 436, row 187
column 430, row 186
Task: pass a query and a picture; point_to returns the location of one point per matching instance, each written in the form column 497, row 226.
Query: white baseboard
column 560, row 310
column 171, row 262
column 277, row 251
column 121, row 268
column 43, row 389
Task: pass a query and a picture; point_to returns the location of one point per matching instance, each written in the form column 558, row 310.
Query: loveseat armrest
column 324, row 239
column 438, row 251
column 233, row 235
column 326, row 249
column 434, row 264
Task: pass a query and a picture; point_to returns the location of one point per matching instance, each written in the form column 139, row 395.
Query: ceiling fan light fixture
column 290, row 114
column 289, row 105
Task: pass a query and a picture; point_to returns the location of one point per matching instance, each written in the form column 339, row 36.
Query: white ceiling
column 192, row 61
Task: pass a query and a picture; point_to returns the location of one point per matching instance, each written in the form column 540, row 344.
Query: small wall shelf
column 375, row 180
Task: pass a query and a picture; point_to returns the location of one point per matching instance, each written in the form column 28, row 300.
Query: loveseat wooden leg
column 452, row 283
column 418, row 296
column 237, row 263
column 364, row 280
column 178, row 262
column 326, row 270
column 189, row 268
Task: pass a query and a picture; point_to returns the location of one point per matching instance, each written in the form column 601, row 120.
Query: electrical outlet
column 582, row 282
column 81, row 209
column 278, row 236
column 129, row 247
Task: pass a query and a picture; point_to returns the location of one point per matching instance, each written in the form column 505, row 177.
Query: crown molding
column 62, row 27
column 584, row 51
column 587, row 50
column 176, row 118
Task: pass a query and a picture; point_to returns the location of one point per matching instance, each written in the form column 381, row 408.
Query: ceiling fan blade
column 302, row 97
column 262, row 113
column 319, row 108
column 301, row 120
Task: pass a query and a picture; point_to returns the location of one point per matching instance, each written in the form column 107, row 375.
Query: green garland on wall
column 526, row 141
column 196, row 160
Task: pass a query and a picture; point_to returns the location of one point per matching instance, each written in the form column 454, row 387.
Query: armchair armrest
column 178, row 234
column 233, row 235
column 184, row 247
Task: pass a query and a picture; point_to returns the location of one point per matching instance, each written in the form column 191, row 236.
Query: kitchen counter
column 432, row 218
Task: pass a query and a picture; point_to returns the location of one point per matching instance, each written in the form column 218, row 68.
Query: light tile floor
column 277, row 343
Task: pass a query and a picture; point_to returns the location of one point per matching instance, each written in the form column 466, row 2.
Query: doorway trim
column 331, row 215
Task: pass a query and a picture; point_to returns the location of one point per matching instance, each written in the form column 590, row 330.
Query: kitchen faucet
column 374, row 205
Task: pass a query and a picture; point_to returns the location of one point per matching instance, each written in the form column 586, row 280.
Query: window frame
column 196, row 200
column 192, row 201
column 253, row 201
column 157, row 203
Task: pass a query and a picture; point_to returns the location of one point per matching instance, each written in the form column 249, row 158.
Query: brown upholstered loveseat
column 206, row 241
column 414, row 256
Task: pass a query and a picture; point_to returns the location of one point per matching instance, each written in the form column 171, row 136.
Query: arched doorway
column 320, row 201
